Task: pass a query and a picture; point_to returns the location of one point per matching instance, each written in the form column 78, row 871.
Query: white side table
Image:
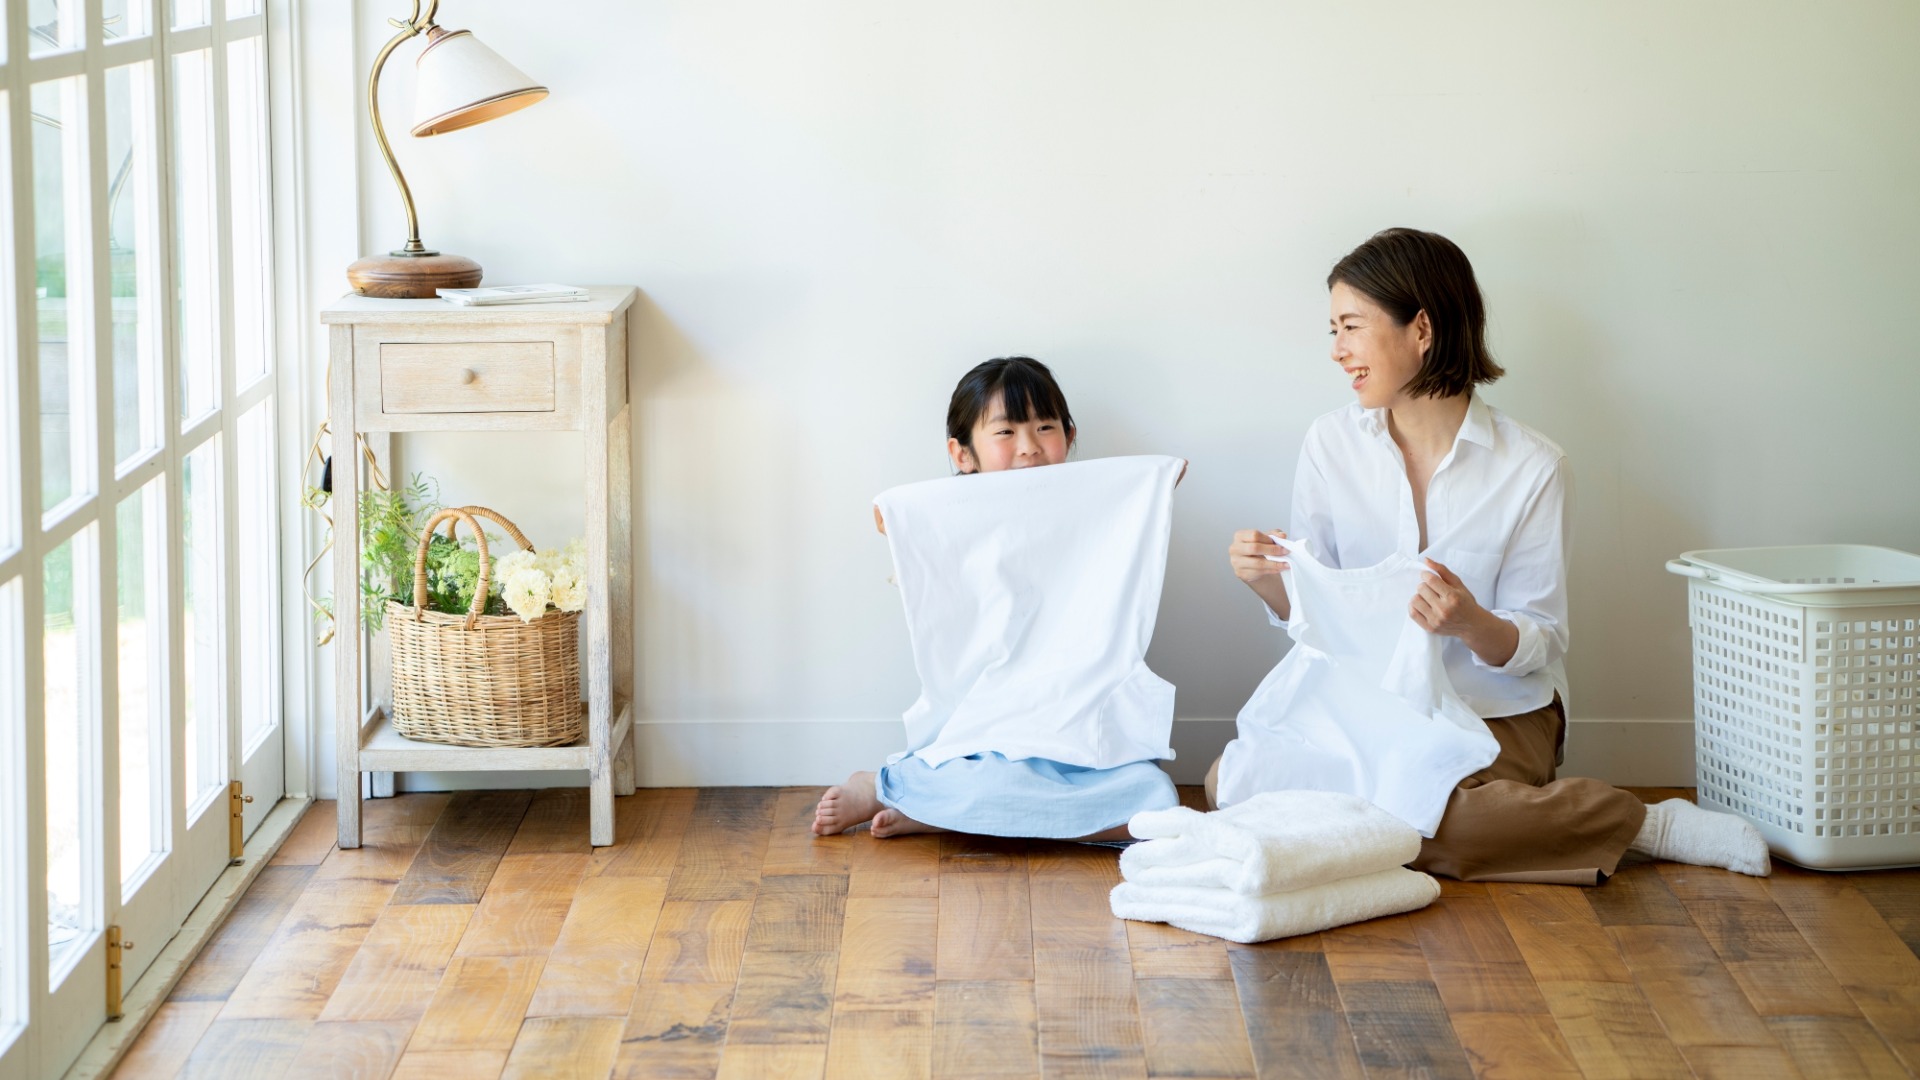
column 427, row 365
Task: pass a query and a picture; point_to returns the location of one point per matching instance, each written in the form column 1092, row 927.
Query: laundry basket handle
column 1759, row 587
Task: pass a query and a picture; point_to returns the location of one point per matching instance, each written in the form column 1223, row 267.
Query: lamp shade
column 462, row 82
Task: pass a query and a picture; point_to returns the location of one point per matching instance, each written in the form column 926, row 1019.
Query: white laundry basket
column 1806, row 689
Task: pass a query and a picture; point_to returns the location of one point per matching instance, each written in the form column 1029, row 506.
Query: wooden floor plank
column 767, row 1062
column 1836, row 1046
column 399, row 964
column 458, row 857
column 311, row 840
column 674, row 1031
column 596, row 963
column 1160, row 951
column 479, row 1005
column 783, row 999
column 698, row 941
column 1697, row 1000
column 1559, row 935
column 349, row 1049
column 1071, row 911
column 1473, row 959
column 1193, row 1028
column 246, row 1049
column 724, row 845
column 303, row 961
column 574, row 1047
column 798, row 913
column 1758, row 944
column 896, row 866
column 791, row 846
column 555, row 824
column 448, row 1064
column 247, row 929
column 1084, row 1008
column 1380, row 950
column 1896, row 896
column 648, row 827
column 1401, row 1029
column 985, row 1029
column 986, row 930
column 167, row 1041
column 867, row 1044
column 887, row 954
column 1514, row 1046
column 524, row 906
column 1291, row 1011
column 1861, row 951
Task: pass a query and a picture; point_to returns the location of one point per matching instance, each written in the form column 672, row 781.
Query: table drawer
column 466, row 377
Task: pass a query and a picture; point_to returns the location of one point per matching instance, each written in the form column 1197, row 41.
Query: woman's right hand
column 1254, row 556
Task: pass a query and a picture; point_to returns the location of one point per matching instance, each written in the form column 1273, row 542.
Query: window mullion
column 106, row 692
column 229, row 412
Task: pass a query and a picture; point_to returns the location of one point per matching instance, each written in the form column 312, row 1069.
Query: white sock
column 1679, row 831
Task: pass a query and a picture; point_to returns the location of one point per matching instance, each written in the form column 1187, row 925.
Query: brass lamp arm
column 413, row 26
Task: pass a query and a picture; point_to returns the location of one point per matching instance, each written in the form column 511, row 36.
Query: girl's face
column 1378, row 355
column 999, row 443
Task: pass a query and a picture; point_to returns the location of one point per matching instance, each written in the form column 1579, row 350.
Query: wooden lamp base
column 412, row 277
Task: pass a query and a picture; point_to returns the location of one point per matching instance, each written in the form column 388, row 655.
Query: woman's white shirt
column 1497, row 515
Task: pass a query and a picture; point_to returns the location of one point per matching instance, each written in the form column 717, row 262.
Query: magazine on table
column 513, row 294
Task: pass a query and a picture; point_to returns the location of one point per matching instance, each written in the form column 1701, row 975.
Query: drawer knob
column 467, row 375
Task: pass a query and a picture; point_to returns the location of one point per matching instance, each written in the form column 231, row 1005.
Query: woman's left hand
column 1444, row 605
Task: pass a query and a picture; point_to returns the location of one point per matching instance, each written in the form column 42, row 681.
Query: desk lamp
column 460, row 83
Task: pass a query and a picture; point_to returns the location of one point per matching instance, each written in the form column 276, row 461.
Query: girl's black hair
column 1025, row 386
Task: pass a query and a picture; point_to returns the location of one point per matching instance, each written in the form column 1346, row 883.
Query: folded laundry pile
column 1279, row 864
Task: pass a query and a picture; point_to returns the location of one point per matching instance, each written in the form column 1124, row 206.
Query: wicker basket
column 477, row 679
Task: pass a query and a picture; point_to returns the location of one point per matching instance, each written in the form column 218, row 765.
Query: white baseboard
column 771, row 753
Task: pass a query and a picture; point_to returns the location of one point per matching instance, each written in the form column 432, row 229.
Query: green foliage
column 390, row 527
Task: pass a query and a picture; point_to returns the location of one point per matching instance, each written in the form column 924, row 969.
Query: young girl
column 1005, row 414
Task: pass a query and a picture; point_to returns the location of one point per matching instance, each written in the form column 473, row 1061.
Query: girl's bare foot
column 891, row 822
column 846, row 805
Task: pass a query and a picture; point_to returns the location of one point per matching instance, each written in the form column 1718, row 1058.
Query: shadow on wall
column 704, row 522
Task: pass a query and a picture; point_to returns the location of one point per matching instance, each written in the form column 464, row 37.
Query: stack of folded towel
column 1279, row 864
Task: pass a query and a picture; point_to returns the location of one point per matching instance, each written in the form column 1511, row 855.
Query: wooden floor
column 477, row 935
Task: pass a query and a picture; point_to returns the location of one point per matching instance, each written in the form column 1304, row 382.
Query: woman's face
column 999, row 443
column 1379, row 356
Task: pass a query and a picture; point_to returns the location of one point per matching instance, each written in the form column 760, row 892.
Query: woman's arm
column 879, row 522
column 1524, row 628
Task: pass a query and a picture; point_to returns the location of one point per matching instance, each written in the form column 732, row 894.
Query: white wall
column 1694, row 222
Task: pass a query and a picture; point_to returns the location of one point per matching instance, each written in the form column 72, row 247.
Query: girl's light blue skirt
column 988, row 795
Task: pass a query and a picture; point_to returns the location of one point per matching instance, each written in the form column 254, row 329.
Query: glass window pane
column 258, row 560
column 248, row 199
column 13, row 786
column 133, row 244
column 196, row 244
column 126, row 18
column 204, row 672
column 140, row 526
column 12, row 455
column 53, row 26
column 238, row 8
column 191, row 13
column 60, row 268
column 68, row 702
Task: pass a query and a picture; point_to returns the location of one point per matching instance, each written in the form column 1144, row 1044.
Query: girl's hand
column 1443, row 605
column 1252, row 554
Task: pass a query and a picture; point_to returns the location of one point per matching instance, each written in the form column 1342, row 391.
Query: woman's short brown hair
column 1407, row 271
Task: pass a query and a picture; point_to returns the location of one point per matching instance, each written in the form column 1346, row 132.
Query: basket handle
column 1765, row 588
column 455, row 515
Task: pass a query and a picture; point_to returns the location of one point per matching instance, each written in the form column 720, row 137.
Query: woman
column 1420, row 465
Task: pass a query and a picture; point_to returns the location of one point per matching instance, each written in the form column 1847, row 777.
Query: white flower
column 526, row 592
column 506, row 566
column 569, row 591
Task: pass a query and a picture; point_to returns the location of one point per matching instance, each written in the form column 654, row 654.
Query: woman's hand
column 1249, row 556
column 1253, row 554
column 1444, row 605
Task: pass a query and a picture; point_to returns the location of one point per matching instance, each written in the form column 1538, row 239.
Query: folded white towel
column 1246, row 919
column 1273, row 842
